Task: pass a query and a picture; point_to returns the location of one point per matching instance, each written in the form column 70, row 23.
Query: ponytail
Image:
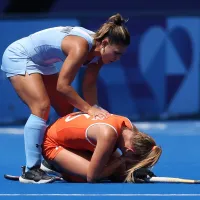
column 114, row 30
column 149, row 160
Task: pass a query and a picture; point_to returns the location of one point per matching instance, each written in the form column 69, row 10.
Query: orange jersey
column 71, row 131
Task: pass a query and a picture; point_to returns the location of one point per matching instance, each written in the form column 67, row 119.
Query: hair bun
column 117, row 19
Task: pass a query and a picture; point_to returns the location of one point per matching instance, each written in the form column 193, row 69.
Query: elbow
column 90, row 180
column 62, row 88
column 91, row 177
column 59, row 87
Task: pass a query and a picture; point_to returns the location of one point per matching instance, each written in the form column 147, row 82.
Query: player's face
column 112, row 53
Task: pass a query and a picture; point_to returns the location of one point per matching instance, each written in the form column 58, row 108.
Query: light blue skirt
column 16, row 61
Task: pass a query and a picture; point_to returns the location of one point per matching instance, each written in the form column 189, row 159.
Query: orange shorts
column 50, row 148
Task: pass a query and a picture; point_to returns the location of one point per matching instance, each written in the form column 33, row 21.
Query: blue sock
column 34, row 131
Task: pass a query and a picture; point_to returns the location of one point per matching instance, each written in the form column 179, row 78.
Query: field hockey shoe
column 35, row 175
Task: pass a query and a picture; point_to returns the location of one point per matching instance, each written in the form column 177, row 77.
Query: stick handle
column 171, row 180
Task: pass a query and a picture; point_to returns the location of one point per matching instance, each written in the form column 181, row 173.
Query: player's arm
column 89, row 86
column 114, row 170
column 106, row 140
column 76, row 49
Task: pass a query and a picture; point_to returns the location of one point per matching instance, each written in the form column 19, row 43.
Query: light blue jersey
column 38, row 52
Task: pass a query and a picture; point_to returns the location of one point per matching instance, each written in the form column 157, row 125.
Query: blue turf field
column 179, row 140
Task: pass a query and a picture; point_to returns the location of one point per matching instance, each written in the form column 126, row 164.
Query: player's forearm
column 111, row 167
column 106, row 172
column 119, row 175
column 90, row 94
column 73, row 98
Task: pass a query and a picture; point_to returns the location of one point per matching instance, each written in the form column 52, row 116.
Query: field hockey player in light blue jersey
column 29, row 65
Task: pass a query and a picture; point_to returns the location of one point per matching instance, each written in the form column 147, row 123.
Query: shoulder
column 82, row 31
column 49, row 30
column 118, row 121
column 79, row 37
column 74, row 44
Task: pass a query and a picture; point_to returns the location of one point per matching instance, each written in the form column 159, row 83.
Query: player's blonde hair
column 114, row 30
column 146, row 152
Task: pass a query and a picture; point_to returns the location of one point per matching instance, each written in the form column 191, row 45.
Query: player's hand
column 102, row 109
column 141, row 174
column 98, row 112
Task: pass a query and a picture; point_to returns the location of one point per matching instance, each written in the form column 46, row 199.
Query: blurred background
column 157, row 78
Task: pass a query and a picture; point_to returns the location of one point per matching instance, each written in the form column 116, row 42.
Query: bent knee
column 41, row 108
